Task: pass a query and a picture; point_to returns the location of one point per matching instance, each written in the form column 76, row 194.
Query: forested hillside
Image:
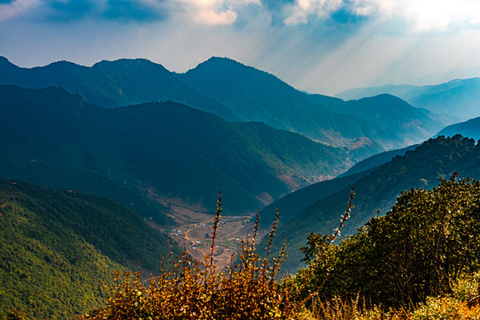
column 404, row 121
column 112, row 84
column 378, row 188
column 166, row 149
column 56, row 247
column 237, row 92
column 365, row 127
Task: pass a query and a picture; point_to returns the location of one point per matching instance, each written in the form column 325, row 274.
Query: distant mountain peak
column 385, row 98
column 137, row 62
column 223, row 59
column 62, row 63
column 126, row 61
column 225, row 62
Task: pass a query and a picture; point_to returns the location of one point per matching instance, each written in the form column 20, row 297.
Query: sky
column 319, row 46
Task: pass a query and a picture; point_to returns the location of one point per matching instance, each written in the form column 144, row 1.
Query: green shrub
column 417, row 250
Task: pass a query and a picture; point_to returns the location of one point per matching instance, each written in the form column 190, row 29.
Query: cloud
column 432, row 15
column 128, row 10
column 205, row 12
column 407, row 16
column 415, row 15
column 215, row 12
column 210, row 17
column 14, row 8
column 301, row 10
column 69, row 10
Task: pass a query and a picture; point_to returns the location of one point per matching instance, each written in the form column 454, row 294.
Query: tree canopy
column 423, row 244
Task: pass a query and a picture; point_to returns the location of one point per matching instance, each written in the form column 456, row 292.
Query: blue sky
column 320, row 46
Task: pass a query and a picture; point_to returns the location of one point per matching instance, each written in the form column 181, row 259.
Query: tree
column 417, row 249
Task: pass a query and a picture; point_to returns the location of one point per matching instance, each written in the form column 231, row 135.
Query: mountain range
column 458, row 99
column 236, row 92
column 256, row 95
column 470, row 128
column 322, row 204
column 54, row 138
column 135, row 133
column 112, row 84
column 389, row 113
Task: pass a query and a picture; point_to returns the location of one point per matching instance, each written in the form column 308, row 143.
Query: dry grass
column 191, row 289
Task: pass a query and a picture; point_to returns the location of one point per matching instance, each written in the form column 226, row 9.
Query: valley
column 193, row 232
column 239, row 159
column 151, row 148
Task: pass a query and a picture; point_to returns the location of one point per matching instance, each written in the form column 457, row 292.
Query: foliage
column 378, row 189
column 430, row 238
column 194, row 290
column 468, row 128
column 462, row 304
column 445, row 308
column 55, row 246
column 417, row 250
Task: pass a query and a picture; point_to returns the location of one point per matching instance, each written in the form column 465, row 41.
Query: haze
column 320, row 46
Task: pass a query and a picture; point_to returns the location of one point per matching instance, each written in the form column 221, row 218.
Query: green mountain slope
column 378, row 189
column 377, row 160
column 56, row 246
column 256, row 95
column 112, row 83
column 55, row 139
column 234, row 92
column 295, row 202
column 470, row 128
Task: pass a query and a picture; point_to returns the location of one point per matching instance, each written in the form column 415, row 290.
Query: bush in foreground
column 417, row 250
column 197, row 290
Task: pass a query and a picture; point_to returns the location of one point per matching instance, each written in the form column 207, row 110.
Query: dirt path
column 194, row 230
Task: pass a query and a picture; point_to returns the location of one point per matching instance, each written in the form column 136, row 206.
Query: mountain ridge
column 378, row 188
column 256, row 95
column 180, row 151
column 222, row 86
column 458, row 98
column 470, row 128
column 112, row 83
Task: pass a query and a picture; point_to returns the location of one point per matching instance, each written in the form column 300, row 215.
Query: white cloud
column 211, row 17
column 302, row 9
column 215, row 12
column 15, row 8
column 429, row 15
column 418, row 15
